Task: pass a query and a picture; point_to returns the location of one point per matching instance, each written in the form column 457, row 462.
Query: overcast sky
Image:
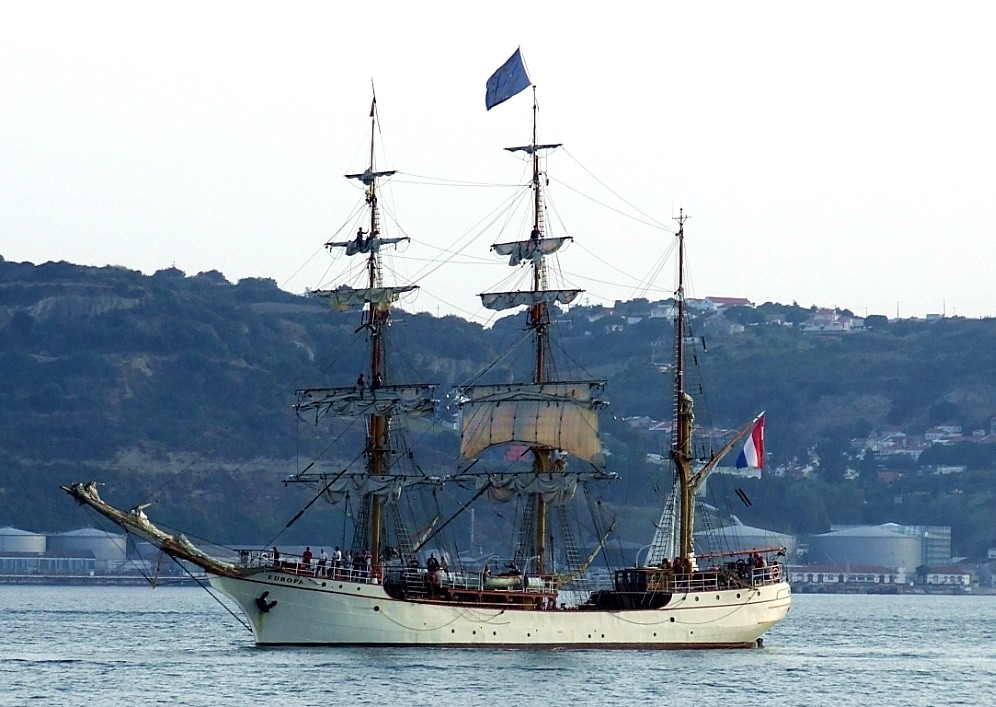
column 838, row 155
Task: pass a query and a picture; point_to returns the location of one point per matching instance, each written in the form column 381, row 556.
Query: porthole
column 672, row 619
column 376, row 608
column 696, row 598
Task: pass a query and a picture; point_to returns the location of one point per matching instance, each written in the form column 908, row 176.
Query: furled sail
column 556, row 489
column 344, row 298
column 368, row 176
column 364, row 245
column 507, row 300
column 531, row 250
column 386, row 488
column 555, row 415
column 383, row 401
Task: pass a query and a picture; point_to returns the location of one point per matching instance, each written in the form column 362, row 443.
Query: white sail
column 666, row 544
column 507, row 300
column 556, row 489
column 559, row 415
column 364, row 245
column 344, row 298
column 410, row 400
column 530, row 250
column 386, row 488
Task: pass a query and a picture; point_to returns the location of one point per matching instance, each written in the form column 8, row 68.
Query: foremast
column 555, row 418
column 373, row 395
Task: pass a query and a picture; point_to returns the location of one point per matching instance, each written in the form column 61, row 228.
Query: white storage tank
column 878, row 545
column 14, row 540
column 109, row 549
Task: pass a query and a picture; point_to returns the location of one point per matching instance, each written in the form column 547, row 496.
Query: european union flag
column 510, row 79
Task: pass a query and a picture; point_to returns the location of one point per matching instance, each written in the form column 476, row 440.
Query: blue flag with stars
column 508, row 80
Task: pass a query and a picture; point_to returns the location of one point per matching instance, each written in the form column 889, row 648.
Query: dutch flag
column 753, row 451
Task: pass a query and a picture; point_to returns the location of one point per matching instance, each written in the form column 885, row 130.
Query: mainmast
column 539, row 319
column 555, row 419
column 539, row 322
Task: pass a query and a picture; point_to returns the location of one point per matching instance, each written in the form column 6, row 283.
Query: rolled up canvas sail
column 350, row 401
column 530, row 250
column 507, row 300
column 365, row 245
column 344, row 298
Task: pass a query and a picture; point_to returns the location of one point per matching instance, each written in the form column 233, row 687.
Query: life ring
column 776, row 572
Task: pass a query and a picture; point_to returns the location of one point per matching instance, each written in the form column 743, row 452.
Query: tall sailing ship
column 531, row 442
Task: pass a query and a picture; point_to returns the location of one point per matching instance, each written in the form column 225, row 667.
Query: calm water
column 177, row 646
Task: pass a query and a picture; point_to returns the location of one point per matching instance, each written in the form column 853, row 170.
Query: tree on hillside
column 876, row 322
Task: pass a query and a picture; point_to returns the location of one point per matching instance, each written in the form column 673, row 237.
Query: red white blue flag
column 753, row 451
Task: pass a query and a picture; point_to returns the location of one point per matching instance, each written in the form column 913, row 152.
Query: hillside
column 180, row 388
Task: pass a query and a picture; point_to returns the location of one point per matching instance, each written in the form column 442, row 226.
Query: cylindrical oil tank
column 865, row 545
column 21, row 541
column 105, row 547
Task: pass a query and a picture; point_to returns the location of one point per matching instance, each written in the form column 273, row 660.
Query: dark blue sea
column 178, row 646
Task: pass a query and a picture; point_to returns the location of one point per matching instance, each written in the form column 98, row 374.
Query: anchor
column 263, row 605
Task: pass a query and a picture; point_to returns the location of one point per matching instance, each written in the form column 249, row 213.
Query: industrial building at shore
column 888, row 558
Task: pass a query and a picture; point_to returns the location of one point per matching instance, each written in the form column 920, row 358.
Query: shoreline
column 99, row 580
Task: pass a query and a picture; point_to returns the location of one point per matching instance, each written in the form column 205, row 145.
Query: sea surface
column 179, row 646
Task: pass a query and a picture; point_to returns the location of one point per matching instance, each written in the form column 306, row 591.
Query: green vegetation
column 180, row 389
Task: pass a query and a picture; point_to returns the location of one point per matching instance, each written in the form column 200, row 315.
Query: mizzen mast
column 681, row 450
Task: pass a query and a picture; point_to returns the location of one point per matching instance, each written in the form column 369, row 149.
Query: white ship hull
column 321, row 611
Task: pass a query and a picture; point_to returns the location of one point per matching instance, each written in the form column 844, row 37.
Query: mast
column 555, row 419
column 372, row 396
column 681, row 452
column 538, row 320
column 690, row 479
column 376, row 319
